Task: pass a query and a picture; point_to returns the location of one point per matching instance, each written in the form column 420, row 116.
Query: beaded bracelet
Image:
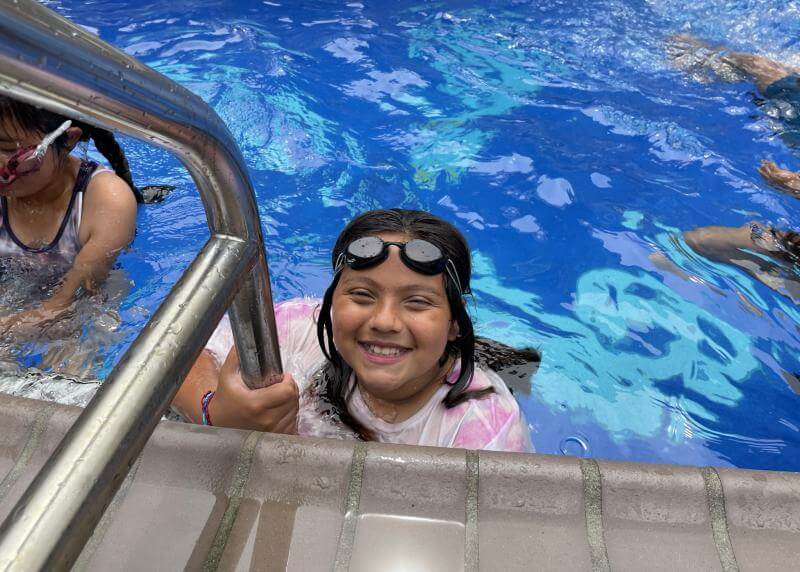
column 204, row 403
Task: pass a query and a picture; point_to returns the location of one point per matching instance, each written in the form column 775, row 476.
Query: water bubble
column 574, row 446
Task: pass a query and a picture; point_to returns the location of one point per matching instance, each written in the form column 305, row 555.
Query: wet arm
column 719, row 243
column 109, row 216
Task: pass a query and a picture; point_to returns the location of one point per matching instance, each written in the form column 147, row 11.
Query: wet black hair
column 413, row 224
column 790, row 241
column 515, row 366
column 28, row 117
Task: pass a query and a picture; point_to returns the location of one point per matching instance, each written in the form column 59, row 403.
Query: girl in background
column 58, row 212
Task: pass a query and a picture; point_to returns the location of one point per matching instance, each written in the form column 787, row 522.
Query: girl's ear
column 453, row 332
column 73, row 136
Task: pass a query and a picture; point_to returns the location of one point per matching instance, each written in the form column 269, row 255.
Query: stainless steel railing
column 48, row 61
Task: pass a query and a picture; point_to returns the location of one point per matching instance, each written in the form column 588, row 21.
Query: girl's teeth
column 384, row 351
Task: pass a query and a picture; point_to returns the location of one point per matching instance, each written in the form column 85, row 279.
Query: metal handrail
column 47, row 61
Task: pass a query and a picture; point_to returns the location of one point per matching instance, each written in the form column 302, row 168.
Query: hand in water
column 273, row 409
column 34, row 324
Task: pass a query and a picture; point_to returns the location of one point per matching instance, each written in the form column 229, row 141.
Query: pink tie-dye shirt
column 493, row 423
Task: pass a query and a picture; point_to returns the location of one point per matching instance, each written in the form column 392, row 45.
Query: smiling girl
column 387, row 355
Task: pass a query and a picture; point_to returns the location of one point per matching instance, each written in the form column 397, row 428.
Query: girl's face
column 12, row 138
column 391, row 326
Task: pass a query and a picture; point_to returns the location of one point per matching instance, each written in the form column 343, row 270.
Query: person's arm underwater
column 759, row 250
column 720, row 243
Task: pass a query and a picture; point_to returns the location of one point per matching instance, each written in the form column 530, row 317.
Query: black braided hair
column 107, row 145
column 790, row 241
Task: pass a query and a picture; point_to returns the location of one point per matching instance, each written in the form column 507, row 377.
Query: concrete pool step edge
column 207, row 498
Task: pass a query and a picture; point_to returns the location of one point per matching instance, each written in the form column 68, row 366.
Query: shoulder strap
column 84, row 176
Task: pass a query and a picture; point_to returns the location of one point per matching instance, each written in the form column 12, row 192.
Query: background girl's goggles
column 28, row 159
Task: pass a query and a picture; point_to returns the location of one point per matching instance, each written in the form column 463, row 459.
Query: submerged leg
column 689, row 52
column 763, row 71
column 785, row 180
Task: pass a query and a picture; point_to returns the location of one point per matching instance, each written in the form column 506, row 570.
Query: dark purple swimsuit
column 66, row 244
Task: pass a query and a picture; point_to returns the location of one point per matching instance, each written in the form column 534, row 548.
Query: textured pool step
column 206, row 498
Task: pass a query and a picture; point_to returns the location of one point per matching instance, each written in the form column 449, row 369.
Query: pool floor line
column 236, row 487
column 593, row 508
column 347, row 536
column 471, row 539
column 718, row 516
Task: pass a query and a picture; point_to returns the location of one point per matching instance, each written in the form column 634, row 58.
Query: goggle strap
column 339, row 264
column 450, row 267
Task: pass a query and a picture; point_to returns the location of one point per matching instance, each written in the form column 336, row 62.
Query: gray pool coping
column 204, row 498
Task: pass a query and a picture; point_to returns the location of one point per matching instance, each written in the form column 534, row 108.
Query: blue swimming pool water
column 560, row 139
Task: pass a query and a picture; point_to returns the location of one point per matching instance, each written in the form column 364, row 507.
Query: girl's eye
column 419, row 303
column 361, row 295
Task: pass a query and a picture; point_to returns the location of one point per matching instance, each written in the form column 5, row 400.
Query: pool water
column 561, row 140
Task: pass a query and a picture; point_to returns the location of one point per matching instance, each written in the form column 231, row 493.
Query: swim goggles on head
column 419, row 255
column 28, row 160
